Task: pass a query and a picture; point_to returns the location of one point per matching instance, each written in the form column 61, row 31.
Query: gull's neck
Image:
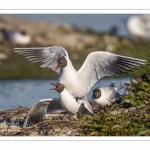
column 69, row 66
column 69, row 70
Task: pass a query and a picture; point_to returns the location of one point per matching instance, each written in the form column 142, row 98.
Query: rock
column 49, row 132
column 53, row 134
column 3, row 126
column 56, row 129
column 59, row 134
column 74, row 117
column 68, row 132
column 65, row 129
column 15, row 127
column 43, row 132
column 24, row 115
column 3, row 56
column 34, row 133
column 14, row 118
column 73, row 133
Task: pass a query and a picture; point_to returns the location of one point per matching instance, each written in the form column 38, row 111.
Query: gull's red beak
column 54, row 85
column 57, row 67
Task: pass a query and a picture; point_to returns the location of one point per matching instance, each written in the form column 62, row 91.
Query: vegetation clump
column 131, row 117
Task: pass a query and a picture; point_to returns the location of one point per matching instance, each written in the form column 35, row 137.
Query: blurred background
column 24, row 83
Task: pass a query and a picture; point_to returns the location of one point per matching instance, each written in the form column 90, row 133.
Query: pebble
column 3, row 126
column 11, row 125
column 73, row 133
column 3, row 56
column 14, row 118
column 43, row 133
column 68, row 132
column 60, row 134
column 53, row 134
column 64, row 129
column 74, row 117
column 35, row 133
column 56, row 129
column 49, row 132
column 15, row 127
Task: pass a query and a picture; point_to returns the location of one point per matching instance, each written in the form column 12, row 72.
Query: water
column 97, row 22
column 27, row 92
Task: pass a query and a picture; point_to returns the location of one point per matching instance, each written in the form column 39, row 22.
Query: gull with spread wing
column 78, row 83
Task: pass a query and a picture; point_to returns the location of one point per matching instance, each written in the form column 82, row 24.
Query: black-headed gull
column 106, row 95
column 139, row 26
column 78, row 83
column 16, row 37
column 73, row 106
column 70, row 104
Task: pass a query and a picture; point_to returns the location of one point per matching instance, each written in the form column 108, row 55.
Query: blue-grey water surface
column 27, row 92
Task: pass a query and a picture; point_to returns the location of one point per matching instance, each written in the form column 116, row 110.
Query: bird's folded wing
column 111, row 95
column 100, row 64
column 88, row 107
column 38, row 111
column 48, row 56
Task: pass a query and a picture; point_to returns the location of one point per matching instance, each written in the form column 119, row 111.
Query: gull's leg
column 77, row 99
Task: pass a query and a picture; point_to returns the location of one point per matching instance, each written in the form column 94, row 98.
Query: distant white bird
column 78, row 83
column 16, row 37
column 139, row 26
column 70, row 104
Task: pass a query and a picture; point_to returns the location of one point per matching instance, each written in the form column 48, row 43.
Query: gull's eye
column 61, row 61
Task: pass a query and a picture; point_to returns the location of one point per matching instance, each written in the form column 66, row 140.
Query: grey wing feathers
column 48, row 56
column 37, row 112
column 100, row 64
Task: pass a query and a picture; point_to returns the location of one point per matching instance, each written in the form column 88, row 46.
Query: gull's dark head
column 62, row 62
column 58, row 87
column 96, row 93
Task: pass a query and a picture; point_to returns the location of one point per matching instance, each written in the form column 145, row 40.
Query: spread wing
column 48, row 56
column 100, row 64
column 39, row 110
